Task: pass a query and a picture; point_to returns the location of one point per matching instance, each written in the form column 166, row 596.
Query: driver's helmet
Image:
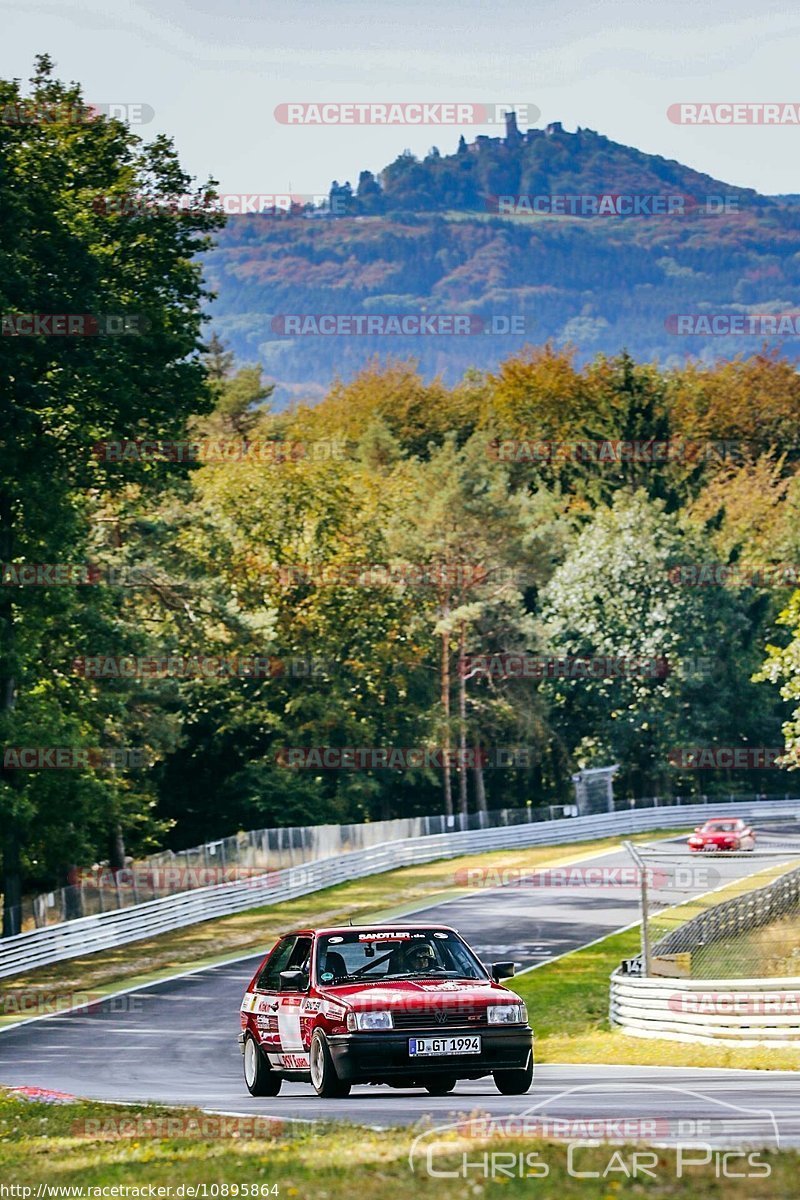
column 419, row 956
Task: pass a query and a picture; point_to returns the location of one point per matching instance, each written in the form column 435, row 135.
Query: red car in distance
column 405, row 1005
column 723, row 833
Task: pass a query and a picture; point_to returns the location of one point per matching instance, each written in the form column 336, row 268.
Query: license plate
column 428, row 1046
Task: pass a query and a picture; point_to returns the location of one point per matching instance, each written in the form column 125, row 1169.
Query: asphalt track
column 174, row 1042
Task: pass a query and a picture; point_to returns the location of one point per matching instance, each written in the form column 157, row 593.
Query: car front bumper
column 381, row 1057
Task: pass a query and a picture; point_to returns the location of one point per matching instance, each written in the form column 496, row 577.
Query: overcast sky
column 214, row 71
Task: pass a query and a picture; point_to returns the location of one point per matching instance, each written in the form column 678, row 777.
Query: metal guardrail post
column 637, row 858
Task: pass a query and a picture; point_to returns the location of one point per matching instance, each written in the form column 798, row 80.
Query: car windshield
column 722, row 827
column 402, row 954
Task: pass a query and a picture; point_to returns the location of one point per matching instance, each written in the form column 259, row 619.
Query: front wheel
column 515, row 1082
column 261, row 1080
column 323, row 1071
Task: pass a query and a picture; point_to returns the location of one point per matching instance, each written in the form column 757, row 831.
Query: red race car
column 407, row 1005
column 723, row 833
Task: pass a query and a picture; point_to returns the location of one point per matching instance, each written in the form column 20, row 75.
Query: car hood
column 422, row 993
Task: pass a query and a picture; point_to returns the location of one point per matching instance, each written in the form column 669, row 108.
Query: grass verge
column 86, row 1146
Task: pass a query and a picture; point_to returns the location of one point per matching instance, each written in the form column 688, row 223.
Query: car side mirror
column 295, row 980
column 502, row 970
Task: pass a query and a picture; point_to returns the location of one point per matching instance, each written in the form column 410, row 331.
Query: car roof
column 378, row 927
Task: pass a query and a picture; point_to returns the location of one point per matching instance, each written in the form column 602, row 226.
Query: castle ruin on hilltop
column 514, row 136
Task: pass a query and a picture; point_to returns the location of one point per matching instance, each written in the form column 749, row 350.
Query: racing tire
column 259, row 1077
column 441, row 1086
column 514, row 1082
column 325, row 1081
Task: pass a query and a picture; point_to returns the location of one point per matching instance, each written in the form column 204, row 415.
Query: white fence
column 104, row 931
column 742, row 1012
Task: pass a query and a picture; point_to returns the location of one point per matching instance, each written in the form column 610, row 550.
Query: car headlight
column 380, row 1019
column 507, row 1014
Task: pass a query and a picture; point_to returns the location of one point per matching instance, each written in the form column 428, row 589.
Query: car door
column 279, row 1011
column 267, row 1000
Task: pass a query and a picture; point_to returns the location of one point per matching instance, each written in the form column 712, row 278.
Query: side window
column 300, row 956
column 269, row 979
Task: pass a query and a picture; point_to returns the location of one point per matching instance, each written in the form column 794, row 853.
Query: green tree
column 782, row 667
column 65, row 249
column 485, row 546
column 615, row 598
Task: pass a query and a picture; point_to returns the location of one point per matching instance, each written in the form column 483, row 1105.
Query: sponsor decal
column 295, row 1062
column 382, row 936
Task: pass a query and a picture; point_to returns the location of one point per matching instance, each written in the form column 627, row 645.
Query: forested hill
column 437, row 236
column 538, row 163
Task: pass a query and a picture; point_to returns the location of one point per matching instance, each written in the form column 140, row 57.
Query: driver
column 418, row 958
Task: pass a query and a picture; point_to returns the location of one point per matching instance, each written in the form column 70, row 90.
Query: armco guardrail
column 745, row 1012
column 104, row 931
